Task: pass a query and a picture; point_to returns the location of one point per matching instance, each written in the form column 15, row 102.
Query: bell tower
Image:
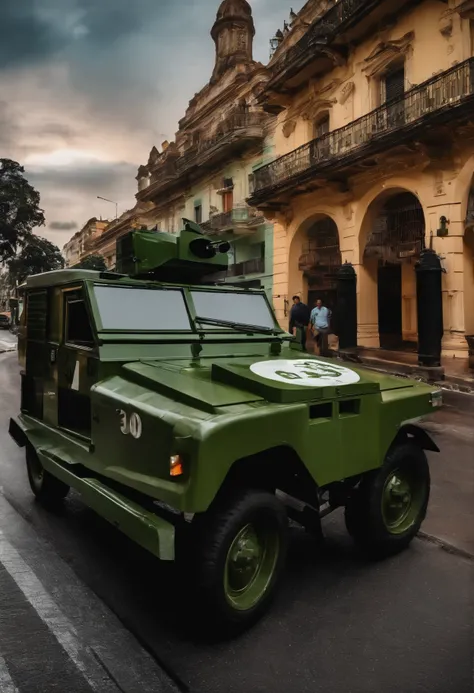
column 233, row 33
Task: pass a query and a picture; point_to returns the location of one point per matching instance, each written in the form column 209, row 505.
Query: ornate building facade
column 204, row 174
column 83, row 242
column 374, row 160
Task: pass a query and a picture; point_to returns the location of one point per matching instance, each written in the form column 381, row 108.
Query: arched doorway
column 395, row 240
column 319, row 261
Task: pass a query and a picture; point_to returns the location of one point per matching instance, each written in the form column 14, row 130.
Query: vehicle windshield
column 137, row 309
column 134, row 309
column 227, row 308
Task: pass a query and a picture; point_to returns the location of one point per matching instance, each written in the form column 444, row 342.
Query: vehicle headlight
column 436, row 399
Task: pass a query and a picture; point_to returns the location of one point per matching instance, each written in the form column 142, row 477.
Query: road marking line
column 52, row 616
column 6, row 681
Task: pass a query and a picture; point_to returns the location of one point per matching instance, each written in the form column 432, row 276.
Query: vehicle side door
column 76, row 363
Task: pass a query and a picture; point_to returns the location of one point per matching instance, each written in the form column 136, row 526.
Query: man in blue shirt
column 320, row 324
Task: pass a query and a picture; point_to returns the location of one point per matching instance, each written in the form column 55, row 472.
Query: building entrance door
column 390, row 306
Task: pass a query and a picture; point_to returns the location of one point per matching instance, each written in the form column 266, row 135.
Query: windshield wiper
column 242, row 327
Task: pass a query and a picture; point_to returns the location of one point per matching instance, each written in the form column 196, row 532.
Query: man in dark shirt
column 299, row 318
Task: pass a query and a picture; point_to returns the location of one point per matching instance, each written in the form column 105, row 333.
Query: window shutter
column 395, row 85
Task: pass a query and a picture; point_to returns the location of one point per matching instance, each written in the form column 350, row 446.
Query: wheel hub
column 250, row 565
column 244, row 559
column 400, row 501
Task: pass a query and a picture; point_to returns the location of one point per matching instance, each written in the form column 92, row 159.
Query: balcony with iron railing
column 236, row 133
column 446, row 98
column 326, row 41
column 242, row 220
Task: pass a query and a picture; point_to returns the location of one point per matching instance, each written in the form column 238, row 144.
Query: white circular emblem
column 305, row 372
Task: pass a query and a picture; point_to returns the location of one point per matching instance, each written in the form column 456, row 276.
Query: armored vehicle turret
column 189, row 419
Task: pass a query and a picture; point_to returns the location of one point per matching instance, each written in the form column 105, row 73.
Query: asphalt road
column 84, row 609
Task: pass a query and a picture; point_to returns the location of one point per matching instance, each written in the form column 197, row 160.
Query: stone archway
column 314, row 259
column 392, row 238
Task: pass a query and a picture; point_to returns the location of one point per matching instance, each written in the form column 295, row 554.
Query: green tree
column 36, row 256
column 19, row 209
column 92, row 262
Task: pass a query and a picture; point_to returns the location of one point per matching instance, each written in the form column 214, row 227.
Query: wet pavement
column 84, row 609
column 451, row 512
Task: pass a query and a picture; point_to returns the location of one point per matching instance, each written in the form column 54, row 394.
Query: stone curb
column 446, row 546
column 454, row 384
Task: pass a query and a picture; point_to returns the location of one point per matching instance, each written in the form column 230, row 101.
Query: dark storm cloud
column 24, row 36
column 91, row 177
column 63, row 225
column 107, row 77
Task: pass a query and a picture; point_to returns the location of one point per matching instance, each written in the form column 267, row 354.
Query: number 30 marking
column 132, row 426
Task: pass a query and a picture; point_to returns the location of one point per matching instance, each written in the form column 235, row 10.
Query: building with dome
column 223, row 136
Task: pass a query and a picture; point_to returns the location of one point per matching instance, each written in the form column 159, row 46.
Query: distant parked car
column 5, row 319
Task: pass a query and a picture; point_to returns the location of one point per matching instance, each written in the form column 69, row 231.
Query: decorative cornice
column 315, row 107
column 384, row 52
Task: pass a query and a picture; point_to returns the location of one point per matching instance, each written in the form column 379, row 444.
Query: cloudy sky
column 87, row 87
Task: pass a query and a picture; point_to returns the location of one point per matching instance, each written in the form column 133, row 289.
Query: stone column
column 409, row 311
column 451, row 249
column 367, row 304
column 281, row 300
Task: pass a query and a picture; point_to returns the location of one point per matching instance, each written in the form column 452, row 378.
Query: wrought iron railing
column 398, row 232
column 322, row 30
column 255, row 266
column 241, row 215
column 445, row 91
column 236, row 124
column 218, row 222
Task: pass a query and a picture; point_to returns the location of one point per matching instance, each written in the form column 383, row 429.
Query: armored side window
column 78, row 326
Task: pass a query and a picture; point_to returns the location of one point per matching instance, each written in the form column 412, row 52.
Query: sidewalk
column 55, row 634
column 8, row 342
column 454, row 373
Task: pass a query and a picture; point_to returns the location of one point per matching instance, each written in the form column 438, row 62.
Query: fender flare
column 411, row 433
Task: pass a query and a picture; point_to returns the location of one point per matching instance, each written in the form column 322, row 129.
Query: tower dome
column 234, row 8
column 233, row 33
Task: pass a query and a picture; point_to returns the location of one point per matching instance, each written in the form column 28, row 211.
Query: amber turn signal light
column 176, row 465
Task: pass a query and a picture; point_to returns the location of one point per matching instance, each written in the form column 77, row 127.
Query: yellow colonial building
column 373, row 160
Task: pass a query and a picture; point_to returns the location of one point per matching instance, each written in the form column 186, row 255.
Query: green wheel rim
column 250, row 565
column 403, row 496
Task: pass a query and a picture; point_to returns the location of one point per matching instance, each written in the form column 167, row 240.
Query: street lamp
column 112, row 202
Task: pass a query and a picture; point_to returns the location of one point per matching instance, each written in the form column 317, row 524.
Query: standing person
column 320, row 325
column 299, row 319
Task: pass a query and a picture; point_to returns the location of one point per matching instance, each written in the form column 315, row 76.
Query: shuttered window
column 322, row 127
column 395, row 84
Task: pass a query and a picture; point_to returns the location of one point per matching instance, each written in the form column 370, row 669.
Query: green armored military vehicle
column 191, row 421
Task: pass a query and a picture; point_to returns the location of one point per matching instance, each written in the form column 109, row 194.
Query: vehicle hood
column 211, row 383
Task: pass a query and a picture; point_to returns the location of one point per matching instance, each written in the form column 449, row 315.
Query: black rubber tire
column 47, row 488
column 215, row 532
column 363, row 512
